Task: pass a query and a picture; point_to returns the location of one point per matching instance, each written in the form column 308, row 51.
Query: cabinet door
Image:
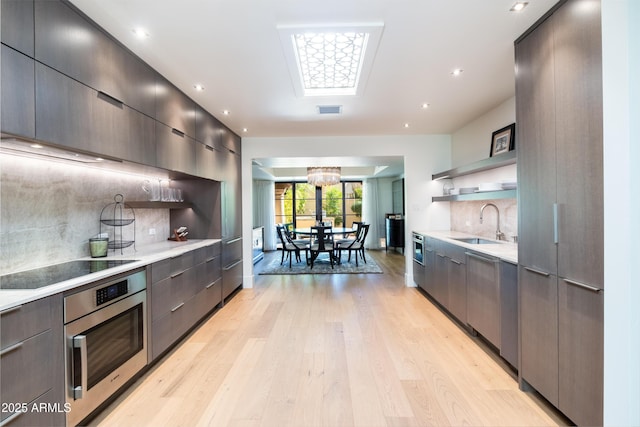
column 579, row 136
column 429, row 257
column 63, row 109
column 174, row 150
column 509, row 312
column 230, row 140
column 18, row 92
column 69, row 43
column 419, row 274
column 208, row 129
column 581, row 334
column 17, row 26
column 539, row 332
column 483, row 296
column 175, row 109
column 441, row 282
column 536, row 136
column 231, row 195
column 458, row 289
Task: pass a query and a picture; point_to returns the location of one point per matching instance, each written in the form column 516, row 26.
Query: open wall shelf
column 500, row 160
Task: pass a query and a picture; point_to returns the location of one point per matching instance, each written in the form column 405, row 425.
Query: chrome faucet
column 499, row 234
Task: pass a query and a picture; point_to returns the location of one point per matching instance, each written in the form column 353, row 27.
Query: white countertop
column 504, row 250
column 145, row 255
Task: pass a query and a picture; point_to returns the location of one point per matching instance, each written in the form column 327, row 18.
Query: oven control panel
column 111, row 292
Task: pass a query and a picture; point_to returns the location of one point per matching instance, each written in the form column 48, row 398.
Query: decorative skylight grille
column 330, row 60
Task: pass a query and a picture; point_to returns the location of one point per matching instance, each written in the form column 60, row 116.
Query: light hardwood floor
column 329, row 350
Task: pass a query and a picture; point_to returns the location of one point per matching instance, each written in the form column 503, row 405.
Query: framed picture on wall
column 503, row 140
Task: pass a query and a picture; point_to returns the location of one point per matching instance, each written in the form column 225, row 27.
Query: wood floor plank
column 329, row 350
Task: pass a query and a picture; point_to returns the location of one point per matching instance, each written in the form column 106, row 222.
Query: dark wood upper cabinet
column 579, row 145
column 70, row 43
column 18, row 94
column 71, row 114
column 230, row 140
column 175, row 109
column 16, row 26
column 535, row 113
column 208, row 129
column 174, row 150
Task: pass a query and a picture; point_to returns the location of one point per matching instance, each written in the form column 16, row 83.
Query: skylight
column 330, row 60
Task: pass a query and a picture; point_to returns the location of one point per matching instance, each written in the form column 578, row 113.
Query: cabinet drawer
column 182, row 262
column 32, row 418
column 231, row 278
column 25, row 321
column 26, row 369
column 214, row 269
column 208, row 298
column 231, row 251
column 160, row 270
column 213, row 250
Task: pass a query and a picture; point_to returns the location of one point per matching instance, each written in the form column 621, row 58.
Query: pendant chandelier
column 321, row 176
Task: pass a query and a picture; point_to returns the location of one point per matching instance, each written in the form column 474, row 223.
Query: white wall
column 472, row 142
column 423, row 155
column 621, row 98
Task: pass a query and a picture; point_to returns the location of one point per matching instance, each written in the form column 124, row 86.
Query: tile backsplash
column 465, row 217
column 49, row 210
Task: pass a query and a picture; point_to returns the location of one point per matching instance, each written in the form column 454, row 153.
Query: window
column 296, row 203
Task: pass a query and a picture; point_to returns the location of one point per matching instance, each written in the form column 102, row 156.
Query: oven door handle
column 80, row 342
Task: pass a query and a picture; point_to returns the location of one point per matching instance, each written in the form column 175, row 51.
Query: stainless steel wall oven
column 418, row 248
column 106, row 333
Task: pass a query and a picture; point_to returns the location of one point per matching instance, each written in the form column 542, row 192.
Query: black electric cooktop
column 45, row 276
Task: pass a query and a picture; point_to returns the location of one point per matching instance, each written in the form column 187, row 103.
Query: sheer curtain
column 264, row 211
column 371, row 213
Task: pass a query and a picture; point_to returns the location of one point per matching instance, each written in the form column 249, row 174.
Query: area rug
column 321, row 266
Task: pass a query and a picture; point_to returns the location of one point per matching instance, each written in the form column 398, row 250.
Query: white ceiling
column 233, row 48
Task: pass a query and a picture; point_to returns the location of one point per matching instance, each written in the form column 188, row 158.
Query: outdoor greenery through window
column 297, row 204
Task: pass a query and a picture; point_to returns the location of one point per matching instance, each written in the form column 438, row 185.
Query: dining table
column 306, row 231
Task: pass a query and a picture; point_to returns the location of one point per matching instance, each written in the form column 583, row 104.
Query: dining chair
column 354, row 245
column 346, row 240
column 321, row 240
column 290, row 246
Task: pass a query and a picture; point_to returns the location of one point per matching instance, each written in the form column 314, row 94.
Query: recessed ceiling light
column 406, row 125
column 457, row 72
column 424, row 106
column 198, row 87
column 140, row 33
column 226, row 112
column 245, row 130
column 518, row 6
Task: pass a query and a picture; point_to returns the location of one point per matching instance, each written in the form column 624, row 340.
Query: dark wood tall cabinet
column 561, row 277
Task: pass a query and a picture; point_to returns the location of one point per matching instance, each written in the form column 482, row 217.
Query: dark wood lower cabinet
column 483, row 292
column 509, row 312
column 32, row 363
column 539, row 332
column 183, row 290
column 457, row 283
column 581, row 337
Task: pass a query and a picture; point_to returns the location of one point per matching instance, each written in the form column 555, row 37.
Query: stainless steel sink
column 475, row 241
